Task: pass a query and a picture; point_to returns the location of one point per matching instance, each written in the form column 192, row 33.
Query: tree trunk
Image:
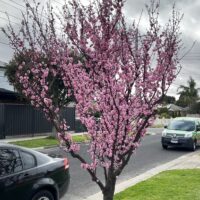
column 109, row 190
column 53, row 132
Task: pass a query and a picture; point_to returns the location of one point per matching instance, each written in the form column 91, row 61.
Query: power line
column 7, row 3
column 17, row 4
column 187, row 58
column 18, row 8
column 4, row 43
column 190, row 71
column 10, row 15
column 58, row 2
column 9, row 21
column 191, row 57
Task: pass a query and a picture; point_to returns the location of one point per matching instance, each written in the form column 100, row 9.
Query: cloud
column 190, row 29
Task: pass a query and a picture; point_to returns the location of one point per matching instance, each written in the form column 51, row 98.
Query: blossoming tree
column 123, row 74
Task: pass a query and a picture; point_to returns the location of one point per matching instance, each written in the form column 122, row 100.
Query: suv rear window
column 182, row 125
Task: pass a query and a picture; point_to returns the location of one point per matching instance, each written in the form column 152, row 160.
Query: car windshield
column 182, row 125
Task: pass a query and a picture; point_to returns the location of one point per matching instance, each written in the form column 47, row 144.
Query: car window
column 198, row 124
column 28, row 160
column 10, row 161
column 182, row 125
column 41, row 158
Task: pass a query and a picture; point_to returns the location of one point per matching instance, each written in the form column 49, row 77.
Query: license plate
column 174, row 141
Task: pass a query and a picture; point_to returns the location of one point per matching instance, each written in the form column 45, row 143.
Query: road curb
column 46, row 147
column 144, row 176
column 54, row 146
column 149, row 133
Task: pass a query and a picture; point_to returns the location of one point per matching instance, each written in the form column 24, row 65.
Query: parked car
column 30, row 175
column 182, row 131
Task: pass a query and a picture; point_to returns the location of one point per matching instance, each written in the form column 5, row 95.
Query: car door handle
column 22, row 177
column 26, row 174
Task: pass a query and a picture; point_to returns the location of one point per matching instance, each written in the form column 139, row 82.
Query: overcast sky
column 190, row 28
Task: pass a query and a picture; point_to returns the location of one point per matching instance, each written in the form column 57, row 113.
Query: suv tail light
column 66, row 163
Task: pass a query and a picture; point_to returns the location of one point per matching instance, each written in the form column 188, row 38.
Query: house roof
column 4, row 83
column 2, row 64
column 7, row 94
column 5, row 91
column 173, row 107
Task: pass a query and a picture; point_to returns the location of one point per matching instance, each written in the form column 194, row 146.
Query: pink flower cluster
column 111, row 70
column 119, row 79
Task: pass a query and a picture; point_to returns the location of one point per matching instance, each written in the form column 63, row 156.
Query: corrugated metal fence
column 17, row 119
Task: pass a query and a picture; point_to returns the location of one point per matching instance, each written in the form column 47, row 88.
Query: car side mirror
column 198, row 128
column 165, row 126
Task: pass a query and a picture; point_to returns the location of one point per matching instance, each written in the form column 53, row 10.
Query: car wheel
column 164, row 146
column 194, row 146
column 43, row 195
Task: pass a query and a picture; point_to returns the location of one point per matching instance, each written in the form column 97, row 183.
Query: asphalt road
column 149, row 155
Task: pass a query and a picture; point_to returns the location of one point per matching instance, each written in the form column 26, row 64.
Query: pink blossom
column 74, row 147
column 48, row 102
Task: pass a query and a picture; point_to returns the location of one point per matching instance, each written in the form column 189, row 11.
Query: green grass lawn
column 168, row 185
column 48, row 141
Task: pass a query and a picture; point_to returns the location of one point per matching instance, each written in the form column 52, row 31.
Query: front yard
column 48, row 141
column 168, row 185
